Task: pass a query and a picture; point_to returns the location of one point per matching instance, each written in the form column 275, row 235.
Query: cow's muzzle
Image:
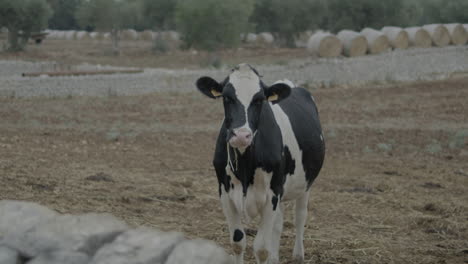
column 241, row 137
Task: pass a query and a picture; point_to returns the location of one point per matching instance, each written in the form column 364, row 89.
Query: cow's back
column 306, row 146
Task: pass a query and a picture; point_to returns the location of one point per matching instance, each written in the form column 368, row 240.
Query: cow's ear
column 277, row 92
column 209, row 87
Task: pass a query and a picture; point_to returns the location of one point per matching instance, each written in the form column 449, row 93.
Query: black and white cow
column 270, row 149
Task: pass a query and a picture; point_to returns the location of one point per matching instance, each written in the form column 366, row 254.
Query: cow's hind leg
column 300, row 220
column 236, row 230
column 276, row 235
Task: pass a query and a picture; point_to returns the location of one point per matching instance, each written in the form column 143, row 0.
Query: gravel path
column 399, row 65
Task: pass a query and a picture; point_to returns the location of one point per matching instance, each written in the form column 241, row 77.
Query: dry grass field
column 394, row 187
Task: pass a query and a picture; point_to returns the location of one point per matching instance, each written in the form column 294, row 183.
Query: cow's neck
column 265, row 151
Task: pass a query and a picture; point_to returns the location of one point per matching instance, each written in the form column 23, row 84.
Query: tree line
column 215, row 24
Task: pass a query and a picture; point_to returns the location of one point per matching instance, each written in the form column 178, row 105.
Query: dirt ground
column 394, row 187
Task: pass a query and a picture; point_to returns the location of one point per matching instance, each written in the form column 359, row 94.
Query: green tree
column 109, row 15
column 212, row 24
column 64, row 14
column 159, row 14
column 286, row 19
column 21, row 17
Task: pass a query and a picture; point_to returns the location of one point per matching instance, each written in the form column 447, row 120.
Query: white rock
column 198, row 252
column 66, row 232
column 138, row 246
column 8, row 255
column 60, row 257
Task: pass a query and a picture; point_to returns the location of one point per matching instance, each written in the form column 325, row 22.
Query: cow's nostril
column 248, row 136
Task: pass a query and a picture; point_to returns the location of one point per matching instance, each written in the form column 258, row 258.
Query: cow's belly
column 296, row 184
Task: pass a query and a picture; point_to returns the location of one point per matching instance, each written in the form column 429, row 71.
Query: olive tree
column 108, row 15
column 212, row 24
column 286, row 19
column 21, row 18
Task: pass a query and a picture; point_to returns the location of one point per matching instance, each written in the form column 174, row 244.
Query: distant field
column 140, row 54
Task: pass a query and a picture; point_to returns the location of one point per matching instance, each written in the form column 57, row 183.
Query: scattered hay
column 439, row 34
column 324, row 45
column 431, row 185
column 458, row 33
column 354, row 44
column 397, row 36
column 377, row 42
column 100, row 177
column 419, row 37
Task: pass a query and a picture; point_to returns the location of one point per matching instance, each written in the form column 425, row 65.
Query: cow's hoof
column 298, row 260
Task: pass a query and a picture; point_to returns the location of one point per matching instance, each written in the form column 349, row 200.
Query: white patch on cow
column 286, row 81
column 296, row 184
column 321, row 137
column 235, row 194
column 246, row 84
column 258, row 194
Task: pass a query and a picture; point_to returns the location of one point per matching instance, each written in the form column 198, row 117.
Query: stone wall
column 33, row 234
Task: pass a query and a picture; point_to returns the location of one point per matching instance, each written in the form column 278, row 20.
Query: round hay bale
column 251, row 38
column 419, row 37
column 147, row 35
column 324, row 45
column 377, row 42
column 398, row 37
column 82, row 35
column 265, row 38
column 172, row 38
column 129, row 34
column 439, row 34
column 106, row 35
column 354, row 43
column 302, row 38
column 458, row 33
column 59, row 34
column 94, row 35
column 69, row 34
column 51, row 34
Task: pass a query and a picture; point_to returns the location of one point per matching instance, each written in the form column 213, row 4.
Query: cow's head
column 244, row 96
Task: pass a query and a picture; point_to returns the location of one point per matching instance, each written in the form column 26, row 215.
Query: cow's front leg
column 263, row 241
column 236, row 230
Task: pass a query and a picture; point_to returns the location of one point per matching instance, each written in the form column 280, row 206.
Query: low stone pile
column 33, row 234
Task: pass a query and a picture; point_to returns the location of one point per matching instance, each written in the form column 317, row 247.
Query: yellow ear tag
column 273, row 98
column 215, row 93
